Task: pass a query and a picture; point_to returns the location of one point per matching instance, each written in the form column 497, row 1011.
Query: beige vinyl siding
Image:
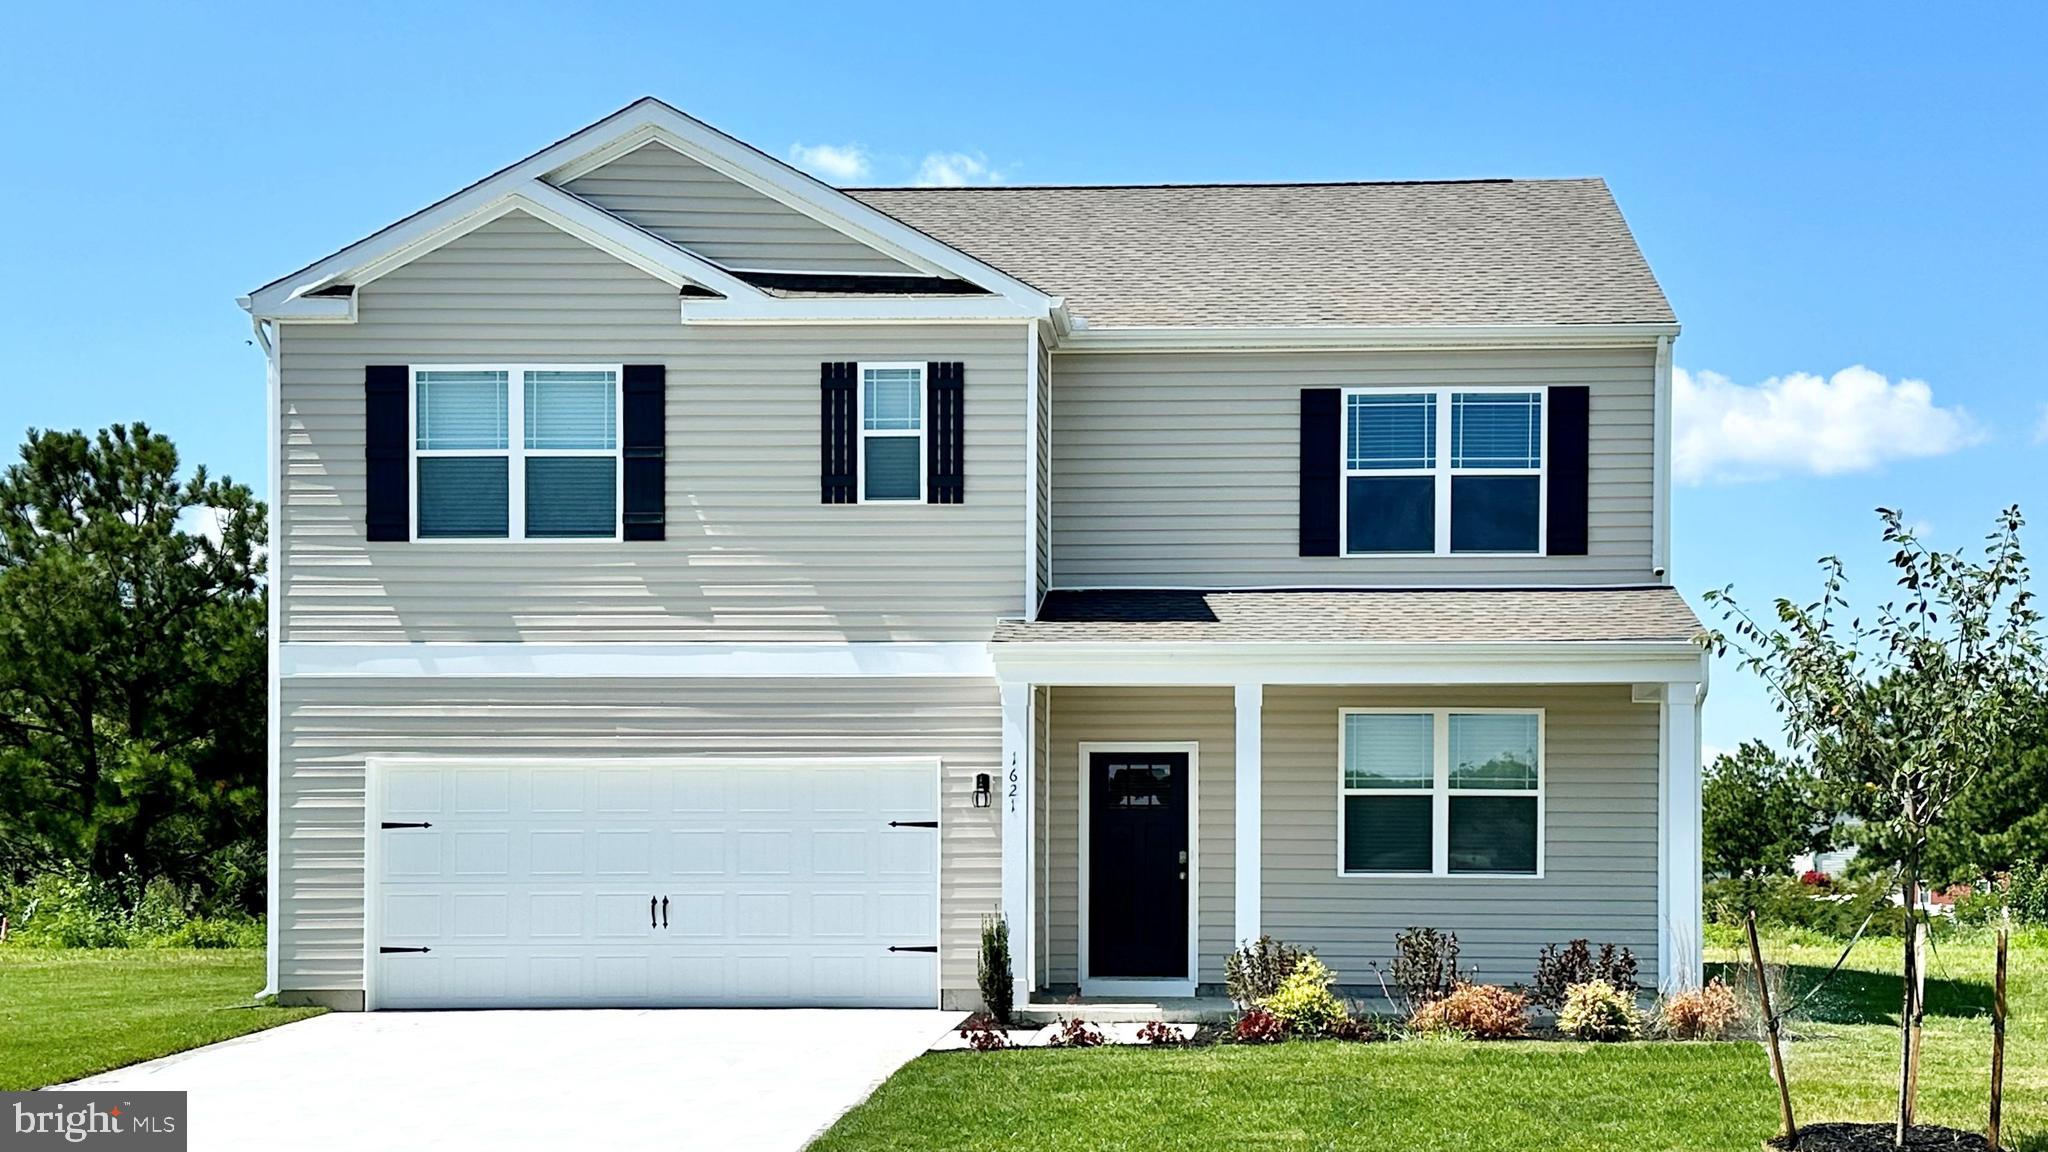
column 1206, row 716
column 1043, row 482
column 751, row 554
column 1183, row 469
column 721, row 219
column 331, row 726
column 1600, row 869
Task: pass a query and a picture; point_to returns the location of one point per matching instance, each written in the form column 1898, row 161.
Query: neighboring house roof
column 1270, row 255
column 1507, row 615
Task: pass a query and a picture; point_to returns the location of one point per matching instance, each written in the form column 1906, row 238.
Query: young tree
column 132, row 653
column 1901, row 713
column 1757, row 812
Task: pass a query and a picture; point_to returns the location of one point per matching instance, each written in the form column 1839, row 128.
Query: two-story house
column 695, row 584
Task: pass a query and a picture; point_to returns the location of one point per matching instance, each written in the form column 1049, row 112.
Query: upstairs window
column 1416, row 482
column 516, row 452
column 892, row 433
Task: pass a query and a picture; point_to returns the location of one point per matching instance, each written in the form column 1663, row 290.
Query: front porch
column 1120, row 757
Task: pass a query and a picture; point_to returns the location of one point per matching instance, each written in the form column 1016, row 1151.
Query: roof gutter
column 1365, row 338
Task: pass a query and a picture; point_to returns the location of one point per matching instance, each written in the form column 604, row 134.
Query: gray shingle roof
column 1357, row 616
column 1266, row 255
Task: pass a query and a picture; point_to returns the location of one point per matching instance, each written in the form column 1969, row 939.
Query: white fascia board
column 685, row 660
column 444, row 225
column 1364, row 338
column 853, row 310
column 755, row 169
column 643, row 120
column 1084, row 663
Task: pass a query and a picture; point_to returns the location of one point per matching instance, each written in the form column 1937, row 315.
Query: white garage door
column 619, row 883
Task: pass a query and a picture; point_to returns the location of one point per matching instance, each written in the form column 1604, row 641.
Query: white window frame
column 860, row 418
column 1443, row 472
column 515, row 451
column 1440, row 792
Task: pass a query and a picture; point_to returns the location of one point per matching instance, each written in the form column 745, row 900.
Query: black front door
column 1138, row 864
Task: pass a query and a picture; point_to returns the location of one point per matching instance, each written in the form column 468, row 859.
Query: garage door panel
column 784, row 883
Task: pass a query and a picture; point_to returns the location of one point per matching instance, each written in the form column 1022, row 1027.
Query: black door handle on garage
column 664, row 912
column 650, row 913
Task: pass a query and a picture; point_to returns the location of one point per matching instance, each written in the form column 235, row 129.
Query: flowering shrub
column 1480, row 1011
column 1597, row 1010
column 1709, row 1013
column 1076, row 1034
column 1258, row 1026
column 1304, row 1002
column 1160, row 1034
column 1814, row 878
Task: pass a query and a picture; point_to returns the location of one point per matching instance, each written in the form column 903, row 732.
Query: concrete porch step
column 1175, row 1009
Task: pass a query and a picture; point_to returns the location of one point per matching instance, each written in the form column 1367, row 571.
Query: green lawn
column 66, row 1014
column 1509, row 1096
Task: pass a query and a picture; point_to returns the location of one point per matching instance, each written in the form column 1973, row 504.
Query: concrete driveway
column 684, row 1079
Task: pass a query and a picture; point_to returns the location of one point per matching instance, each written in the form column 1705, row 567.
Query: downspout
column 273, row 612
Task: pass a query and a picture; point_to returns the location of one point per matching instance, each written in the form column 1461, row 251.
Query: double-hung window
column 892, row 433
column 1443, row 471
column 1443, row 792
column 516, row 452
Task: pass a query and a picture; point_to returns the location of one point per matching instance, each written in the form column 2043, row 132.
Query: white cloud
column 841, row 162
column 202, row 520
column 955, row 170
column 1850, row 422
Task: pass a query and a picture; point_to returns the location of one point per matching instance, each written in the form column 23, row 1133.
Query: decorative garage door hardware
column 388, row 951
column 405, row 824
column 664, row 912
column 913, row 947
column 913, row 823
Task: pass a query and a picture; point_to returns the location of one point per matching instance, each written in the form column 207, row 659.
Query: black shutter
column 838, row 437
column 1322, row 421
column 646, row 451
column 387, row 463
column 1567, row 472
column 945, row 390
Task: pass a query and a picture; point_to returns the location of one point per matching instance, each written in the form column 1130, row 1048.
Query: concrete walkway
column 618, row 1080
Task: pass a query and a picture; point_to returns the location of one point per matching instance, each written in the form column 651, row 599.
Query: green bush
column 1304, row 1001
column 1257, row 969
column 1597, row 1010
column 992, row 969
column 70, row 908
column 1785, row 902
column 2028, row 893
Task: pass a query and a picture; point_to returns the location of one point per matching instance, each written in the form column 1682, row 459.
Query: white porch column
column 1250, row 704
column 1679, row 944
column 1013, row 797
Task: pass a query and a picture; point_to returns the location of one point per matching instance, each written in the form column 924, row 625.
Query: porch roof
column 1358, row 616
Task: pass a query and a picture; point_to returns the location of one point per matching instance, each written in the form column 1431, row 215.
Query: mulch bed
column 1878, row 1138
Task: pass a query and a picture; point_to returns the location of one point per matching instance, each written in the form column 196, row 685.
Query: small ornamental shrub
column 1709, row 1013
column 1075, row 1034
column 1814, row 878
column 1480, row 1011
column 1558, row 968
column 1425, row 966
column 1597, row 1010
column 992, row 968
column 1160, row 1034
column 1258, row 1026
column 1304, row 1002
column 984, row 1033
column 1256, row 971
column 1356, row 1029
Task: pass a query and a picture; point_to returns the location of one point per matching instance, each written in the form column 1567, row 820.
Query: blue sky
column 1817, row 187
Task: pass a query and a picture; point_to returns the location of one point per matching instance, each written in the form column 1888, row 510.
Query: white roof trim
column 637, row 123
column 458, row 216
column 853, row 310
column 1363, row 337
column 1103, row 663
